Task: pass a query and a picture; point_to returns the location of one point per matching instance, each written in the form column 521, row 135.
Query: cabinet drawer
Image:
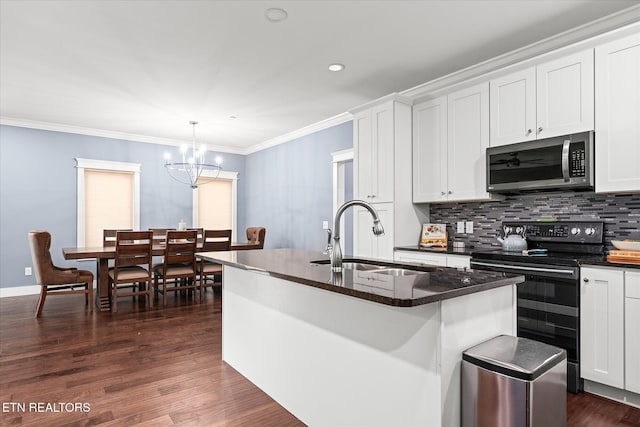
column 458, row 261
column 632, row 284
column 439, row 260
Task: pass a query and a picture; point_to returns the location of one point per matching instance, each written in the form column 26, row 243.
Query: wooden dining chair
column 200, row 236
column 160, row 235
column 56, row 280
column 109, row 236
column 178, row 270
column 133, row 266
column 214, row 240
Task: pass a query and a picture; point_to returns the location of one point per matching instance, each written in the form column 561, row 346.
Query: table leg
column 103, row 301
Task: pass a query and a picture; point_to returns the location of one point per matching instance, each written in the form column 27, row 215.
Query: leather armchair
column 256, row 235
column 56, row 280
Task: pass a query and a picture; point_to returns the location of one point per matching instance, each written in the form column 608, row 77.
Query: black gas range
column 549, row 298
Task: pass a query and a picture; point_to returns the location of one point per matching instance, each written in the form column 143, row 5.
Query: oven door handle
column 517, row 267
column 565, row 160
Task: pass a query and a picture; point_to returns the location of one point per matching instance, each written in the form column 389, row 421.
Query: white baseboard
column 622, row 396
column 18, row 291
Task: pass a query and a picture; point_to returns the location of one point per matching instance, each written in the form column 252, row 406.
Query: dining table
column 102, row 255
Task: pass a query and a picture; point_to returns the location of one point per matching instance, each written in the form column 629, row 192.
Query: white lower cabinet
column 366, row 244
column 430, row 258
column 609, row 333
column 632, row 331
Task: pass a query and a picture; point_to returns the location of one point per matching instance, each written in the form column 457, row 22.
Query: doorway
column 342, row 192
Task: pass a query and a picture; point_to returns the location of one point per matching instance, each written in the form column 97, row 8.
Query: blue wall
column 289, row 188
column 41, row 192
column 286, row 188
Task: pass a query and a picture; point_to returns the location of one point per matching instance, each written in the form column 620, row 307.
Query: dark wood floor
column 158, row 367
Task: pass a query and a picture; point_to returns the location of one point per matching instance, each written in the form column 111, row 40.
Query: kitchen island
column 373, row 345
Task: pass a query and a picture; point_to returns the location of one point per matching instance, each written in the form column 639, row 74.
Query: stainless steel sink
column 390, row 270
column 396, row 272
column 354, row 265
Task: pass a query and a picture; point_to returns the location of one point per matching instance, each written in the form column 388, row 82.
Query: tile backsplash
column 620, row 213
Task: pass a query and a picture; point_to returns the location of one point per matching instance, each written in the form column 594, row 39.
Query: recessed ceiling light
column 336, row 67
column 275, row 14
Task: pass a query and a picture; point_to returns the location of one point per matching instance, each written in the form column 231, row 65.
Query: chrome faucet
column 336, row 252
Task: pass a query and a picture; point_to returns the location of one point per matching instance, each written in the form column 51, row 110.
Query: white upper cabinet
column 450, row 136
column 374, row 153
column 430, row 151
column 467, row 142
column 552, row 99
column 513, row 112
column 617, row 70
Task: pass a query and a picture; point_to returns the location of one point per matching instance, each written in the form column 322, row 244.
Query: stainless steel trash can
column 509, row 382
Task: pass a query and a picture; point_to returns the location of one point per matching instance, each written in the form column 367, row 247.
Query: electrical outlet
column 468, row 227
column 325, row 225
column 27, row 271
column 460, row 228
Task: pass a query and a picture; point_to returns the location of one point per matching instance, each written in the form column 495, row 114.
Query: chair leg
column 164, row 291
column 43, row 296
column 114, row 297
column 90, row 296
column 202, row 287
column 150, row 294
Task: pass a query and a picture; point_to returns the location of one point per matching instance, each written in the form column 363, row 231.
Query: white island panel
column 332, row 359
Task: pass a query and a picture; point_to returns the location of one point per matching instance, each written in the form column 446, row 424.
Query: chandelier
column 193, row 166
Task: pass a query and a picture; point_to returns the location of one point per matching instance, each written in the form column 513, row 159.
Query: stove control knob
column 589, row 231
column 575, row 231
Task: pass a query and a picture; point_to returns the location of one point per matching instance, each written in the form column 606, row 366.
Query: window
column 108, row 197
column 214, row 203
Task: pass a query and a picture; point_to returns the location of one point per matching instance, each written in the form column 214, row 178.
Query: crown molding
column 80, row 130
column 391, row 97
column 586, row 35
column 324, row 124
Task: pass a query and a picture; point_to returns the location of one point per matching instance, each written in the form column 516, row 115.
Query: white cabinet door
column 373, row 133
column 366, row 244
column 364, row 154
column 632, row 331
column 564, row 89
column 552, row 99
column 617, row 103
column 468, row 139
column 513, row 108
column 430, row 151
column 602, row 326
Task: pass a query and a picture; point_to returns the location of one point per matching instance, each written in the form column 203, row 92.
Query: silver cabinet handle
column 585, row 280
column 540, row 129
column 565, row 160
column 442, row 193
column 529, row 132
column 450, row 192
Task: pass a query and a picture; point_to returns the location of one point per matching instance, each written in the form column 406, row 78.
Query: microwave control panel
column 577, row 157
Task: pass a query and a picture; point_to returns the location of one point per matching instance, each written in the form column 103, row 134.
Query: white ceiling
column 147, row 68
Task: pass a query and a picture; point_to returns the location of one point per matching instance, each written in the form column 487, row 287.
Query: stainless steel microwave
column 563, row 162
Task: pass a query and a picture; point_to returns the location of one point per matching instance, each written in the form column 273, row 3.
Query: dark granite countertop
column 467, row 250
column 605, row 263
column 430, row 284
